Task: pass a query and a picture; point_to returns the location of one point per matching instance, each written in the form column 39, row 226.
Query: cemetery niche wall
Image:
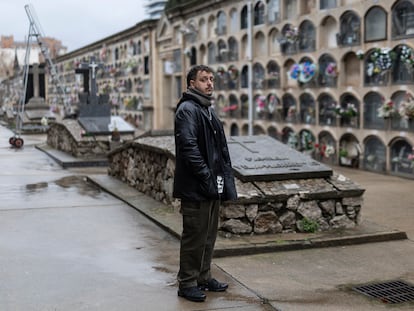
column 279, row 189
column 95, row 131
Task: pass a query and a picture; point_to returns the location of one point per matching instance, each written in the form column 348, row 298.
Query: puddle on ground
column 36, row 186
column 80, row 183
column 75, row 182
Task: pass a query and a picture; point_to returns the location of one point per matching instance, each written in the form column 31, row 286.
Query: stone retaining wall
column 67, row 136
column 262, row 207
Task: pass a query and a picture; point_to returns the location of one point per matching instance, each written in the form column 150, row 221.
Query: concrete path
column 65, row 244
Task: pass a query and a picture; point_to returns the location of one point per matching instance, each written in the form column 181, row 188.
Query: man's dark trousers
column 200, row 222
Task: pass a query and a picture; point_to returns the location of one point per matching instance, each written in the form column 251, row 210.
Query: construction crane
column 35, row 33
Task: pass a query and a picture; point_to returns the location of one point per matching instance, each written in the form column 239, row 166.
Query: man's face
column 204, row 82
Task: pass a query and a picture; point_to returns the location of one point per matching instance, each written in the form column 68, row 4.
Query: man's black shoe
column 192, row 293
column 213, row 285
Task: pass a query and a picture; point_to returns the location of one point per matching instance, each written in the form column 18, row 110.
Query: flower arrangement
column 232, row 107
column 292, row 140
column 331, row 70
column 307, row 141
column 274, row 74
column 308, row 72
column 233, row 73
column 291, row 111
column 326, row 150
column 291, row 34
column 220, row 71
column 387, row 109
column 406, row 107
column 330, row 150
column 107, row 88
column 303, row 72
column 260, row 103
column 343, row 153
column 131, row 103
column 360, row 54
column 131, row 64
column 294, row 71
column 348, row 110
column 120, row 86
column 407, row 55
column 273, row 102
column 381, row 61
column 113, row 71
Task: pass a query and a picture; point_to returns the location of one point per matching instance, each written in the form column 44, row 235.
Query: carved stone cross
column 91, row 69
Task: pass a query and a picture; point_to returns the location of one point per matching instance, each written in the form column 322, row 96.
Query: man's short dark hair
column 192, row 74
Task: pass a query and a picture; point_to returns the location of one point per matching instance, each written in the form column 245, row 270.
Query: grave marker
column 262, row 158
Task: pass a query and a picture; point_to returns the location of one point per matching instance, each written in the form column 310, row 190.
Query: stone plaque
column 105, row 125
column 95, row 125
column 262, row 158
column 39, row 114
column 121, row 125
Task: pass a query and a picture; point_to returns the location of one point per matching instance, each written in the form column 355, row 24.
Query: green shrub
column 309, row 225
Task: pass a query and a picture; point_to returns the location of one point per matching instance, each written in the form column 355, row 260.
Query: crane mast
column 36, row 33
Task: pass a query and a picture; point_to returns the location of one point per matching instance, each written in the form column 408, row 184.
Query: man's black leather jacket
column 197, row 146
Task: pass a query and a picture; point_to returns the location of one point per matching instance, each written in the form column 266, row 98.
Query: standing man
column 203, row 178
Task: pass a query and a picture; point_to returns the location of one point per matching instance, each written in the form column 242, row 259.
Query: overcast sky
column 74, row 22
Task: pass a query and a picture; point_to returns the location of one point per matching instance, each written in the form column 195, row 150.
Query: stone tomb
column 37, row 114
column 262, row 158
column 298, row 194
column 95, row 132
column 95, row 111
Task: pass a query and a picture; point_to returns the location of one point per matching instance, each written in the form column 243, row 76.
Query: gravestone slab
column 262, row 158
column 36, row 109
column 105, row 125
column 121, row 125
column 36, row 115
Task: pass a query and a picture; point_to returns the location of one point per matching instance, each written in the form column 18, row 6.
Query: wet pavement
column 66, row 244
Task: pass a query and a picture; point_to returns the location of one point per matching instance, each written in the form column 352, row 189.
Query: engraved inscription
column 262, row 158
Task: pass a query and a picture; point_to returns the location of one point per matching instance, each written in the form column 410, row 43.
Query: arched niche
column 401, row 157
column 327, row 33
column 349, row 150
column 375, row 155
column 234, row 130
column 272, row 132
column 325, row 150
column 352, row 70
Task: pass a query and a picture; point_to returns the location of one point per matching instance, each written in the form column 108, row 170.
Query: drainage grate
column 388, row 292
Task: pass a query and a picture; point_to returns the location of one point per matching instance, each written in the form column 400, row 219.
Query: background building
column 12, row 60
column 330, row 78
column 13, row 52
column 155, row 8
